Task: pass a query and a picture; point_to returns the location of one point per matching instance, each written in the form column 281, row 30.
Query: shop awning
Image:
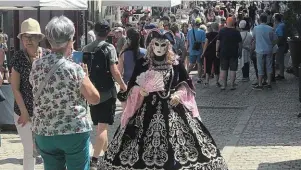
column 44, row 4
column 151, row 3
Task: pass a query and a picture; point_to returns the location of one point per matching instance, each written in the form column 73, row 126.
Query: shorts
column 229, row 63
column 264, row 59
column 195, row 58
column 103, row 112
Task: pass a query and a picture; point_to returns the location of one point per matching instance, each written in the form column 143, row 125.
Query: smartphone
column 77, row 57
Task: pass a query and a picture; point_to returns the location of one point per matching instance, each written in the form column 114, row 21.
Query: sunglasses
column 30, row 37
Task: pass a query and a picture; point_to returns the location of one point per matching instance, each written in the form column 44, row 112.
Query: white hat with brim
column 118, row 29
column 31, row 26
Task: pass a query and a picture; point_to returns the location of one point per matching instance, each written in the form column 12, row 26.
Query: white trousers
column 27, row 142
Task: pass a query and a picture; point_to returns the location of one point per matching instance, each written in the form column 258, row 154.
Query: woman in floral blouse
column 60, row 120
column 21, row 65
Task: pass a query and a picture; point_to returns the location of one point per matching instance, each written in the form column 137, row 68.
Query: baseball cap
column 150, row 26
column 102, row 26
column 198, row 21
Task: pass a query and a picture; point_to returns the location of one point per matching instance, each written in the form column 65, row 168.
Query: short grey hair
column 209, row 29
column 59, row 31
column 214, row 26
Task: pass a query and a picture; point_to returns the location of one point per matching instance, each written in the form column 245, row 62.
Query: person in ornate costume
column 160, row 127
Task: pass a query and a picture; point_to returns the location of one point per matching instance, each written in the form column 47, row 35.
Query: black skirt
column 162, row 137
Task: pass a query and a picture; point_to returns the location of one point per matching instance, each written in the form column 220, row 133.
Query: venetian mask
column 160, row 47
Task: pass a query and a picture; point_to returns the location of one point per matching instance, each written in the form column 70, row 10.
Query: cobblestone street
column 256, row 130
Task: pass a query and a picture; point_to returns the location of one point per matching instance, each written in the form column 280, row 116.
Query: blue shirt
column 264, row 36
column 200, row 36
column 179, row 46
column 129, row 63
column 280, row 29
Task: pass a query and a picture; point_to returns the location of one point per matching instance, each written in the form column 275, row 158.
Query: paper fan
column 151, row 81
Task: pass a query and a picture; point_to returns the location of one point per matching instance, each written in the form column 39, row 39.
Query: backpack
column 99, row 71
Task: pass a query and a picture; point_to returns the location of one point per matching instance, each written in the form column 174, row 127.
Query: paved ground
column 255, row 130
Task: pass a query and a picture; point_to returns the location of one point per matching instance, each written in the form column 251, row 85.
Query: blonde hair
column 161, row 25
column 203, row 27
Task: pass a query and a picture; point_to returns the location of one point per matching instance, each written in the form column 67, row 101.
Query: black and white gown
column 161, row 137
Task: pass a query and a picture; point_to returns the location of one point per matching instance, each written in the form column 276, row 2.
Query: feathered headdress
column 162, row 34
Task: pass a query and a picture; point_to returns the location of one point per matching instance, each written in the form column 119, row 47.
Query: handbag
column 197, row 44
column 122, row 96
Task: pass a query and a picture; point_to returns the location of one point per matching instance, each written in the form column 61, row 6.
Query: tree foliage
column 292, row 19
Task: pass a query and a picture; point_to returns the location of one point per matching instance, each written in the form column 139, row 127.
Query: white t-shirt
column 246, row 43
column 246, row 39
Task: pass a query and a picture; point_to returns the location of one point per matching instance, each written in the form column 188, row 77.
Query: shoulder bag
column 37, row 95
column 242, row 45
column 197, row 44
column 211, row 42
column 46, row 79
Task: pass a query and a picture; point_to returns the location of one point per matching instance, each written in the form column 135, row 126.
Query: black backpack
column 100, row 74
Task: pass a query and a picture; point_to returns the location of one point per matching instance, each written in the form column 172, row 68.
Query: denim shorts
column 195, row 59
column 264, row 59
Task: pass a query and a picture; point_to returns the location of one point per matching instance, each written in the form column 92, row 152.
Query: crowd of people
column 220, row 29
column 160, row 126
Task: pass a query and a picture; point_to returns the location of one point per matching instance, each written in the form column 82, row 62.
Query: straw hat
column 30, row 26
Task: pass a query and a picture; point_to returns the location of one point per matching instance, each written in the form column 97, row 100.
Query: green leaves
column 292, row 19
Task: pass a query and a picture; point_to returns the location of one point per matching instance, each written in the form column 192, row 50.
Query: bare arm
column 88, row 90
column 217, row 48
column 205, row 46
column 1, row 79
column 2, row 57
column 120, row 63
column 117, row 76
column 15, row 83
column 217, row 45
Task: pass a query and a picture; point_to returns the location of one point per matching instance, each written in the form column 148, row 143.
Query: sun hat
column 118, row 29
column 30, row 26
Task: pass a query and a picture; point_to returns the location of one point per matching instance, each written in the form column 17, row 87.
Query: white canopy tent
column 44, row 4
column 151, row 3
column 38, row 5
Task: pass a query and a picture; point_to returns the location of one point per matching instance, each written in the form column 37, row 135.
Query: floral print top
column 60, row 109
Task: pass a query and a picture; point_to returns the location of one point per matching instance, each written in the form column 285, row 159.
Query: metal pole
column 39, row 14
column 86, row 26
column 16, row 30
